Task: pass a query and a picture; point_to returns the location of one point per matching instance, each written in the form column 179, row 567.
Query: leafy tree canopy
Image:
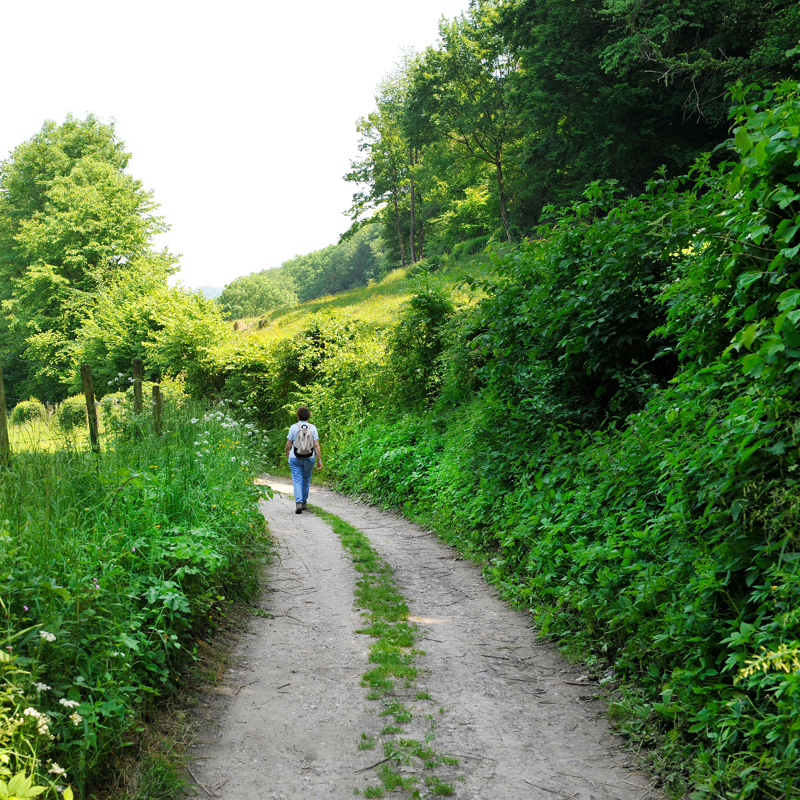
column 256, row 294
column 71, row 222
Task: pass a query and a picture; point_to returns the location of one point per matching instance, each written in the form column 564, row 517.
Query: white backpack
column 304, row 442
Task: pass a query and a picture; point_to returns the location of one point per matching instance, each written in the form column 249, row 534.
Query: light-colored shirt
column 295, row 429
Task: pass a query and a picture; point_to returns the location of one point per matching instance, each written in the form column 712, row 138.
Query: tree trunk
column 399, row 230
column 411, row 235
column 502, row 195
column 421, row 248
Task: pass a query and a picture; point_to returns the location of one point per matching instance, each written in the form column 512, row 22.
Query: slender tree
column 459, row 92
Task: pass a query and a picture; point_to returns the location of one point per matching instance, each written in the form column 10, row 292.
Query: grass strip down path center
column 393, row 654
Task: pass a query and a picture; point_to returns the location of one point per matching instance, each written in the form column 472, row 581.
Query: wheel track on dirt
column 287, row 722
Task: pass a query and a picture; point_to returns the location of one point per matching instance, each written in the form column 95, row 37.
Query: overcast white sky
column 240, row 115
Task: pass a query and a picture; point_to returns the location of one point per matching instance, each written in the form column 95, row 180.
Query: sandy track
column 511, row 709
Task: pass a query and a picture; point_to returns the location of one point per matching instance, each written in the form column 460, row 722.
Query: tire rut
column 522, row 722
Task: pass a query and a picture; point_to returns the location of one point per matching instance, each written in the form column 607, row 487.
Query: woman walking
column 302, row 444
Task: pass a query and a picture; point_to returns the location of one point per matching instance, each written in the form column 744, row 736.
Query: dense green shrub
column 27, row 411
column 416, row 344
column 627, row 468
column 72, row 413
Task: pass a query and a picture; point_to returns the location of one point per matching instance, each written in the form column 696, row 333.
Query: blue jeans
column 301, row 477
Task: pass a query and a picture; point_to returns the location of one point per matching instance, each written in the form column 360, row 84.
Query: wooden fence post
column 156, row 408
column 5, row 445
column 138, row 373
column 91, row 409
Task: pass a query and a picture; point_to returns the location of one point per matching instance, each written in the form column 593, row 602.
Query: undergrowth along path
column 482, row 708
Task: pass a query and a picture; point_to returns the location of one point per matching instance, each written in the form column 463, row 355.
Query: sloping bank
column 614, row 434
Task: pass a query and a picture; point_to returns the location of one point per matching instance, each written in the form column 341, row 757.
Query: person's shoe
column 305, row 507
column 298, row 508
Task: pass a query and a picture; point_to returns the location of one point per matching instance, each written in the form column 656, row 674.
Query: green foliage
column 572, row 318
column 28, row 410
column 355, row 261
column 705, row 46
column 352, row 262
column 172, row 329
column 71, row 220
column 645, row 510
column 72, row 413
column 257, row 293
column 20, row 787
column 336, row 365
column 416, row 344
column 459, row 93
column 111, row 569
column 520, row 104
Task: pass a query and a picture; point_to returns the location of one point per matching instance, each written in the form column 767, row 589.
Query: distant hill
column 210, row 292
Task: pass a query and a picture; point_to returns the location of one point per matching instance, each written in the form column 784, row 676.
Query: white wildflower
column 69, row 703
column 42, row 722
column 76, row 718
column 195, row 420
column 56, row 770
column 233, row 458
column 48, row 637
column 42, row 687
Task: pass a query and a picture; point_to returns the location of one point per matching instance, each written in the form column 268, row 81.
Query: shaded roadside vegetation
column 611, row 427
column 113, row 570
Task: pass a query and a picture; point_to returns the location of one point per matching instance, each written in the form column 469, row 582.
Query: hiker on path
column 302, row 442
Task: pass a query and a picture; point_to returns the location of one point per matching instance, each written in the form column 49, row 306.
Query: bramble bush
column 111, row 568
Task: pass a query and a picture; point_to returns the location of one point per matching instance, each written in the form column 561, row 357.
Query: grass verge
column 113, row 570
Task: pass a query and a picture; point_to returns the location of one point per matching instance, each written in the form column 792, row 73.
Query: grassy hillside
column 380, row 303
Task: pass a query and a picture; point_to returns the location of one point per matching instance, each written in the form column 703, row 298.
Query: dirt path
column 512, row 711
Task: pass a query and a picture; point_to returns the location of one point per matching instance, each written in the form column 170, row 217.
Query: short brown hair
column 303, row 413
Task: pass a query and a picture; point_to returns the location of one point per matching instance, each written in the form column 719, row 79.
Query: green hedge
column 27, row 411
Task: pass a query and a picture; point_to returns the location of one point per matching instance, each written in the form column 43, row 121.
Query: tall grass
column 111, row 568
